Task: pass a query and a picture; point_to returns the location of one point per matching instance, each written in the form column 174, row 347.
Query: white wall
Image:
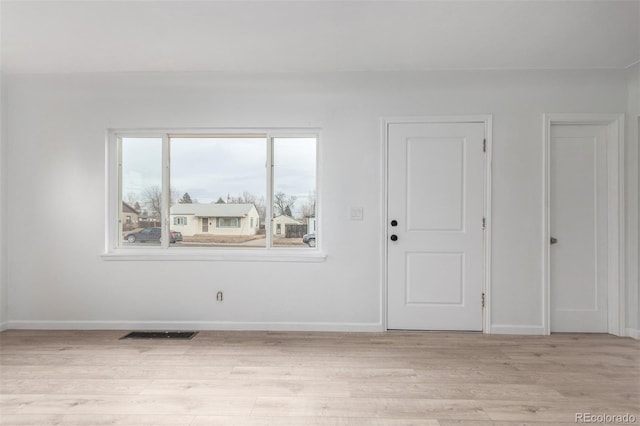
column 4, row 287
column 56, row 147
column 633, row 188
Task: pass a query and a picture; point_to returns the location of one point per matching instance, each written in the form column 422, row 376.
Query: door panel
column 435, row 203
column 436, row 194
column 435, row 278
column 578, row 203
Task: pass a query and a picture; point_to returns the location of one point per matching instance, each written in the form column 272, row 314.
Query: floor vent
column 160, row 335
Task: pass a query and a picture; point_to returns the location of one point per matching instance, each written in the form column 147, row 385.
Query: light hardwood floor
column 293, row 378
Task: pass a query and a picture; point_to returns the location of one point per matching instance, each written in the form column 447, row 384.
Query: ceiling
column 265, row 36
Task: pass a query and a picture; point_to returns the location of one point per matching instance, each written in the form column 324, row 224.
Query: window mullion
column 166, row 193
column 269, row 201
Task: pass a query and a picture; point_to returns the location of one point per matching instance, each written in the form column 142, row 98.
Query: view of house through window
column 141, row 176
column 218, row 190
column 294, row 193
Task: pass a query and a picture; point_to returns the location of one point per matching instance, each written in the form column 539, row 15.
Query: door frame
column 615, row 226
column 487, row 120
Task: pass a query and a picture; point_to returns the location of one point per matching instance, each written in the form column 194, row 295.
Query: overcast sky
column 209, row 168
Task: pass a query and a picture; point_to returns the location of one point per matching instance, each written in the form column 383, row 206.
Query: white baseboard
column 633, row 333
column 4, row 326
column 535, row 330
column 193, row 325
column 248, row 326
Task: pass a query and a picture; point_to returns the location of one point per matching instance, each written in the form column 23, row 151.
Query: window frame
column 113, row 196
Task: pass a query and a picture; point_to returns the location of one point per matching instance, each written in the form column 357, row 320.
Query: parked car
column 151, row 234
column 309, row 239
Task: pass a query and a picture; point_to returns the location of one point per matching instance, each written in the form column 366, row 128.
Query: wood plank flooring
column 293, row 378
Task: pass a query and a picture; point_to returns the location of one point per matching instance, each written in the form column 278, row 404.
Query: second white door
column 435, row 231
column 579, row 217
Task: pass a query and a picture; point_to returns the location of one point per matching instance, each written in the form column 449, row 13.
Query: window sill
column 213, row 255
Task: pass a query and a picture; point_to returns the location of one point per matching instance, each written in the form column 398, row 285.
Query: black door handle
column 394, row 237
column 394, row 222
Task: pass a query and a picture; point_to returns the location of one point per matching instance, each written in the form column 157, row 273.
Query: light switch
column 355, row 213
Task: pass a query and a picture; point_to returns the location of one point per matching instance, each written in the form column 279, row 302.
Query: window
column 141, row 181
column 294, row 202
column 222, row 178
column 180, row 220
column 241, row 190
column 228, row 222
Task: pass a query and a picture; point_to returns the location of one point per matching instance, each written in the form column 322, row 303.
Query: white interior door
column 578, row 215
column 435, row 250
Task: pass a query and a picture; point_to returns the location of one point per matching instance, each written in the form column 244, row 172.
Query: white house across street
column 214, row 219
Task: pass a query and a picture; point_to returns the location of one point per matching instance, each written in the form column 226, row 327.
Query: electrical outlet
column 355, row 213
column 219, row 296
